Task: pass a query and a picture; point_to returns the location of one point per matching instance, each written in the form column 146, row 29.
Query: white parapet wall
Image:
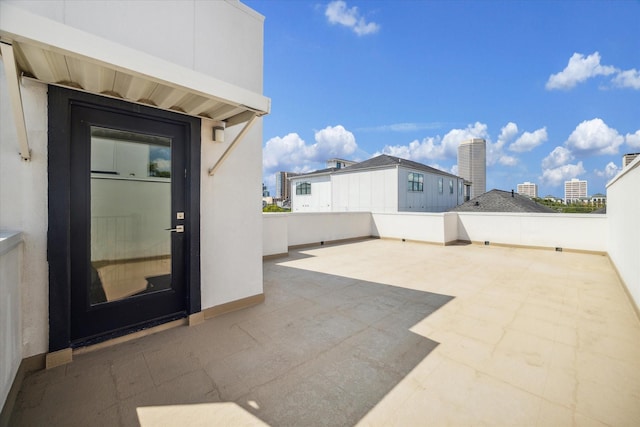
column 275, row 236
column 11, row 263
column 422, row 227
column 584, row 232
column 280, row 231
column 623, row 211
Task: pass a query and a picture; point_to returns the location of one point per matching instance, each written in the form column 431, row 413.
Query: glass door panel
column 130, row 189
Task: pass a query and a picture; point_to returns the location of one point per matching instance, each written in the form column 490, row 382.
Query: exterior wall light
column 218, row 133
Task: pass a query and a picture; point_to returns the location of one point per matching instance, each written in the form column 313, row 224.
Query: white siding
column 372, row 191
column 430, row 199
column 320, row 198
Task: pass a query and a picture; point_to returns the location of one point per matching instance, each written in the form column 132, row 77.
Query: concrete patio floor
column 377, row 333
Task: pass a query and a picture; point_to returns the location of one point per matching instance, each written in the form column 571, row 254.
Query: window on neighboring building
column 459, row 188
column 440, row 185
column 415, row 182
column 303, row 188
column 450, row 186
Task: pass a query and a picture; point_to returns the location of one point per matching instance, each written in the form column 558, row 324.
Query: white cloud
column 558, row 157
column 508, row 160
column 292, row 153
column 529, row 140
column 594, row 137
column 337, row 12
column 333, row 141
column 558, row 175
column 633, row 139
column 628, row 78
column 609, row 171
column 436, row 147
column 578, row 70
column 508, row 132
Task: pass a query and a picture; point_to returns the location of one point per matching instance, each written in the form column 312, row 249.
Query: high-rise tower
column 472, row 164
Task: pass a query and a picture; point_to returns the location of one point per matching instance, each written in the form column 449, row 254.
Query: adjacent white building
column 575, row 189
column 381, row 184
column 528, row 189
column 472, row 164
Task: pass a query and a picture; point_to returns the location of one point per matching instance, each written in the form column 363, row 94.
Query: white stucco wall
column 23, row 207
column 623, row 212
column 586, row 232
column 423, row 227
column 305, row 228
column 275, row 235
column 231, row 218
column 198, row 34
column 320, row 198
column 367, row 190
column 11, row 264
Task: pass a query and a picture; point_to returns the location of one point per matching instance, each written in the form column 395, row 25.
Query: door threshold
column 132, row 336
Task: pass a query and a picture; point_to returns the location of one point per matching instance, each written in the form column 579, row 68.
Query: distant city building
column 283, row 189
column 339, row 163
column 472, row 164
column 628, row 158
column 528, row 189
column 265, row 192
column 574, row 190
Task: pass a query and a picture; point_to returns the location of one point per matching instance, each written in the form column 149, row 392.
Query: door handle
column 178, row 229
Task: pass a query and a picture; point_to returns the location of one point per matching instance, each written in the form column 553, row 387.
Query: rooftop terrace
column 377, row 332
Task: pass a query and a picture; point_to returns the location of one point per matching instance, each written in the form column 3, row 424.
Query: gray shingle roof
column 384, row 160
column 380, row 162
column 501, row 201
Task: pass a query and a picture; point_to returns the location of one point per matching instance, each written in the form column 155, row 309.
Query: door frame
column 60, row 101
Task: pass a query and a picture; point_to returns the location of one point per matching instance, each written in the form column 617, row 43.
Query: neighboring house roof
column 501, row 201
column 386, row 161
column 383, row 161
column 319, row 172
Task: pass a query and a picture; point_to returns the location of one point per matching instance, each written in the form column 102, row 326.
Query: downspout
column 232, row 146
column 13, row 85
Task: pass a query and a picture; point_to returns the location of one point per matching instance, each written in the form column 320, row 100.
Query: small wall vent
column 486, row 243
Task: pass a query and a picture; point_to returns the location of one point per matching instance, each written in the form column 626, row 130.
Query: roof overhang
column 58, row 54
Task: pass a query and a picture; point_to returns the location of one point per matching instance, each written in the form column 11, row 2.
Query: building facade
column 109, row 159
column 472, row 164
column 528, row 189
column 283, row 187
column 381, row 184
column 575, row 190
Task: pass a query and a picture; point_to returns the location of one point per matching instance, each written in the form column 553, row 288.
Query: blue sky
column 554, row 87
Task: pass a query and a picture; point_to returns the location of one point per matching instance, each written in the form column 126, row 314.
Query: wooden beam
column 13, row 85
